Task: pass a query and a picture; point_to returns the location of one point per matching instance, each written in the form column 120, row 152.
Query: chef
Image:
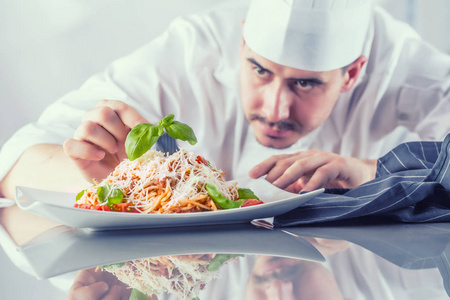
column 306, row 93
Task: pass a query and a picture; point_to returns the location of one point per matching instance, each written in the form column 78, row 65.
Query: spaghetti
column 159, row 184
column 180, row 275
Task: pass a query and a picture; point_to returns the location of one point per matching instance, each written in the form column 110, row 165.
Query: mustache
column 280, row 125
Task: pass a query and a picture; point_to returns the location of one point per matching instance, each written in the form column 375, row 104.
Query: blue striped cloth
column 166, row 144
column 412, row 185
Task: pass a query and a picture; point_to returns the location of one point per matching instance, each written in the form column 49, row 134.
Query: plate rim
column 206, row 216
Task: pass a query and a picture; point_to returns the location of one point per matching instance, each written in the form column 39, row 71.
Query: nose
column 276, row 102
column 280, row 290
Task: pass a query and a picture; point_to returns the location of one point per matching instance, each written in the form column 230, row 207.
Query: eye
column 303, row 84
column 260, row 71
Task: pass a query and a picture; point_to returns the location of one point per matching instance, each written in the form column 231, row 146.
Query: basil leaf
column 79, row 195
column 220, row 259
column 181, row 131
column 141, row 138
column 220, row 199
column 166, row 121
column 112, row 266
column 246, row 194
column 115, row 197
column 102, row 194
column 109, row 194
column 138, row 295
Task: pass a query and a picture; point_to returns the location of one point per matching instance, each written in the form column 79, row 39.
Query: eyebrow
column 313, row 80
column 253, row 61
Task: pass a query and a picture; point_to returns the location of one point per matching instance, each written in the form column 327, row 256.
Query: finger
column 106, row 117
column 77, row 149
column 91, row 292
column 97, row 135
column 297, row 186
column 115, row 293
column 264, row 167
column 110, row 278
column 82, row 150
column 280, row 168
column 293, row 188
column 286, row 173
column 322, row 177
column 129, row 116
column 101, row 275
column 121, row 153
column 83, row 278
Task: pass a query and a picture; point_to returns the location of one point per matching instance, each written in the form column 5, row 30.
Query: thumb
column 92, row 292
column 129, row 116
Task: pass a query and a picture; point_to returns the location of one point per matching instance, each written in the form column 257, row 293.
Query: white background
column 48, row 48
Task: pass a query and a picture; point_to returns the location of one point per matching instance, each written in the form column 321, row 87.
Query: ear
column 352, row 73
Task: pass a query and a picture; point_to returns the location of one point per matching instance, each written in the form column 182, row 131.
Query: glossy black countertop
column 243, row 261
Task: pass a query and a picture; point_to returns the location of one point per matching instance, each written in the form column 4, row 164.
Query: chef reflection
column 285, row 278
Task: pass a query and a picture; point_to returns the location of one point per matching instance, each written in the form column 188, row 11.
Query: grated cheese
column 182, row 276
column 185, row 174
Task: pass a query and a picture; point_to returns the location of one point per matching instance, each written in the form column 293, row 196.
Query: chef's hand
column 327, row 246
column 313, row 169
column 99, row 142
column 97, row 285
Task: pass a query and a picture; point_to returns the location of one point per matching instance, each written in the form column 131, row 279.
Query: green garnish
column 220, row 259
column 143, row 136
column 246, row 194
column 109, row 194
column 220, row 199
column 112, row 266
column 166, row 121
column 79, row 195
column 138, row 295
column 181, row 131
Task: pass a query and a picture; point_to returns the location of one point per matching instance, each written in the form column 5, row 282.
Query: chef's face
column 284, row 278
column 284, row 104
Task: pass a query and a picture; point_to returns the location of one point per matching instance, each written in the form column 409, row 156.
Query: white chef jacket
column 192, row 69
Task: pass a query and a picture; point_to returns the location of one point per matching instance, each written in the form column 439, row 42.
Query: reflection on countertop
column 402, row 261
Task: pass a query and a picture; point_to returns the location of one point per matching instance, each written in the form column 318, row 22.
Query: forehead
column 282, row 70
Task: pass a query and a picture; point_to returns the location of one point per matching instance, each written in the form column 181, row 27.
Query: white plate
column 58, row 207
column 47, row 254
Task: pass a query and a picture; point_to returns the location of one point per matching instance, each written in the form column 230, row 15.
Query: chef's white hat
column 314, row 35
